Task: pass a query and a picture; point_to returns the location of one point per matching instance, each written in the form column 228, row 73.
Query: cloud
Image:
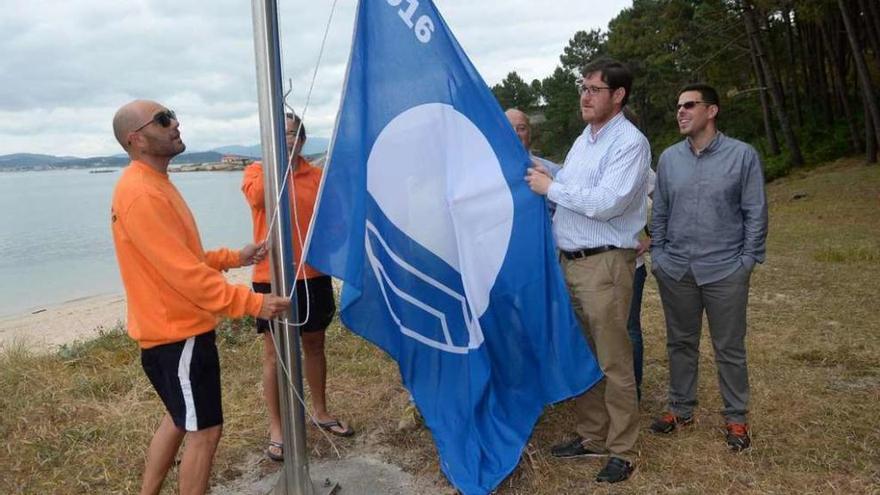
column 67, row 66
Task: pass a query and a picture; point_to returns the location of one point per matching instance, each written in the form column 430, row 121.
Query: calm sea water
column 55, row 240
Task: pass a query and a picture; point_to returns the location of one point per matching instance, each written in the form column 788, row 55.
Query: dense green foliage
column 796, row 77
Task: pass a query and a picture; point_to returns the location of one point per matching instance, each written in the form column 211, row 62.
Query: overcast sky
column 66, row 66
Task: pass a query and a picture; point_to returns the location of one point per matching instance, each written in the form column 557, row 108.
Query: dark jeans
column 634, row 325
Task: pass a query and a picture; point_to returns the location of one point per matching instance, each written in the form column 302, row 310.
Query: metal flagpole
column 294, row 479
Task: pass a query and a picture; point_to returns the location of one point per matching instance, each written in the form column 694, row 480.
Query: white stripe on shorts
column 189, row 403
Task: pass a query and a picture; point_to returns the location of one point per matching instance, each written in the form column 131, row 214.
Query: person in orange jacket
column 175, row 293
column 314, row 290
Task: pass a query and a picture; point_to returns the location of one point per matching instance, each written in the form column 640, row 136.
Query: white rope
column 287, row 172
column 299, row 236
column 305, row 109
column 309, row 411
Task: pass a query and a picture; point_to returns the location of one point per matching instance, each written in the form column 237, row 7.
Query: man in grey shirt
column 709, row 227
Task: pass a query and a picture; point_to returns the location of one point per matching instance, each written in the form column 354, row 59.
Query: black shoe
column 669, row 422
column 576, row 448
column 738, row 438
column 615, row 470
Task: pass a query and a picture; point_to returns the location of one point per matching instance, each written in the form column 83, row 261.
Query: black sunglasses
column 688, row 105
column 162, row 118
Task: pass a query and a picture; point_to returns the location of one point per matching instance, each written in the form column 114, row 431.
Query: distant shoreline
column 210, row 167
column 44, row 328
column 237, row 166
column 29, row 162
column 173, row 168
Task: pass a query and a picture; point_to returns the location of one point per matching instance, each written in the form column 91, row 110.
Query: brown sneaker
column 738, row 438
column 668, row 422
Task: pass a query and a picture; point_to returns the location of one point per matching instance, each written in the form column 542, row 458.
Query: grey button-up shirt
column 710, row 210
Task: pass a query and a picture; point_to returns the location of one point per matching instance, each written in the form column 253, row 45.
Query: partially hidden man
column 175, row 294
column 314, row 290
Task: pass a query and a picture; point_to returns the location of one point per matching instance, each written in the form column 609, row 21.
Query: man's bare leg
column 198, row 456
column 160, row 455
column 315, row 366
column 270, row 388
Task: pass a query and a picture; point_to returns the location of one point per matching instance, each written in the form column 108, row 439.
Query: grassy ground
column 77, row 421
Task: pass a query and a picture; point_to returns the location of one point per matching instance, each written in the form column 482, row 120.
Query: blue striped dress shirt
column 601, row 191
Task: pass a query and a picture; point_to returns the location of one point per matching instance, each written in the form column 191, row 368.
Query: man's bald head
column 131, row 116
column 520, row 122
column 516, row 113
column 148, row 132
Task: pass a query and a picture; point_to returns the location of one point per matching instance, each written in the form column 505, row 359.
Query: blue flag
column 446, row 255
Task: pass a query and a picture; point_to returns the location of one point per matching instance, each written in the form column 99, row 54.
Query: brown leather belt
column 583, row 253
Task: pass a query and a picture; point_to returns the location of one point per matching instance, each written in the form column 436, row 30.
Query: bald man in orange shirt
column 175, row 293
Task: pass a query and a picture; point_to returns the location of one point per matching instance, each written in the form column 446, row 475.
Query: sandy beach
column 45, row 328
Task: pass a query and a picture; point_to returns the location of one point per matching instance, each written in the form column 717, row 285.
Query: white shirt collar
column 613, row 122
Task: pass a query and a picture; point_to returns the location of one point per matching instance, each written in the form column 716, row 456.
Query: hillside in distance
column 34, row 161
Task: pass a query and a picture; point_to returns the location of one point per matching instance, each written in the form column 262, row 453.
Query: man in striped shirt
column 601, row 201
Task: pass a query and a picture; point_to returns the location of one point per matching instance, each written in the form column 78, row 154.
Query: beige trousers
column 601, row 290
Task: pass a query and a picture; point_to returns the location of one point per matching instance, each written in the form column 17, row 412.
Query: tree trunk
column 873, row 112
column 809, row 87
column 792, row 68
column 837, row 73
column 764, row 26
column 817, row 95
column 871, row 27
column 873, row 14
column 791, row 142
column 870, row 137
column 822, row 77
column 772, row 143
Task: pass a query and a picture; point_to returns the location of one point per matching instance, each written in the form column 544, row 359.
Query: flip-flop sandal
column 279, row 457
column 334, row 423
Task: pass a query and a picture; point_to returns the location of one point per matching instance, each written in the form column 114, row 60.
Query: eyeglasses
column 689, row 105
column 592, row 90
column 162, row 118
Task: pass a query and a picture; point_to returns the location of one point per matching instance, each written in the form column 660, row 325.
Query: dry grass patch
column 78, row 421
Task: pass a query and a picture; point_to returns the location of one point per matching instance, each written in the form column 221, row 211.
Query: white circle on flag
column 436, row 178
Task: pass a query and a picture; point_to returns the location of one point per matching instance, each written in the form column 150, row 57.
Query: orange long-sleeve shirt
column 307, row 179
column 174, row 289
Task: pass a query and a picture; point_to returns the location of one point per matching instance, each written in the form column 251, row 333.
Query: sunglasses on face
column 689, row 105
column 162, row 118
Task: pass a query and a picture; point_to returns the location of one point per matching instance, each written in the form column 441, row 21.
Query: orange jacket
column 306, row 180
column 174, row 288
column 254, row 191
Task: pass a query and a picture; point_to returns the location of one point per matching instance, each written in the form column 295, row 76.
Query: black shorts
column 186, row 375
column 321, row 303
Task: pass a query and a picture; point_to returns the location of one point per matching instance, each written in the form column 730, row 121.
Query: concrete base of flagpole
column 361, row 475
column 354, row 475
column 325, row 487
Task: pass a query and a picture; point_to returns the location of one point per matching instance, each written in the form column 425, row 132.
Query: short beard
column 165, row 149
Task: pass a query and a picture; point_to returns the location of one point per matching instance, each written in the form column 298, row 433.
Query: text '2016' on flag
column 446, row 255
